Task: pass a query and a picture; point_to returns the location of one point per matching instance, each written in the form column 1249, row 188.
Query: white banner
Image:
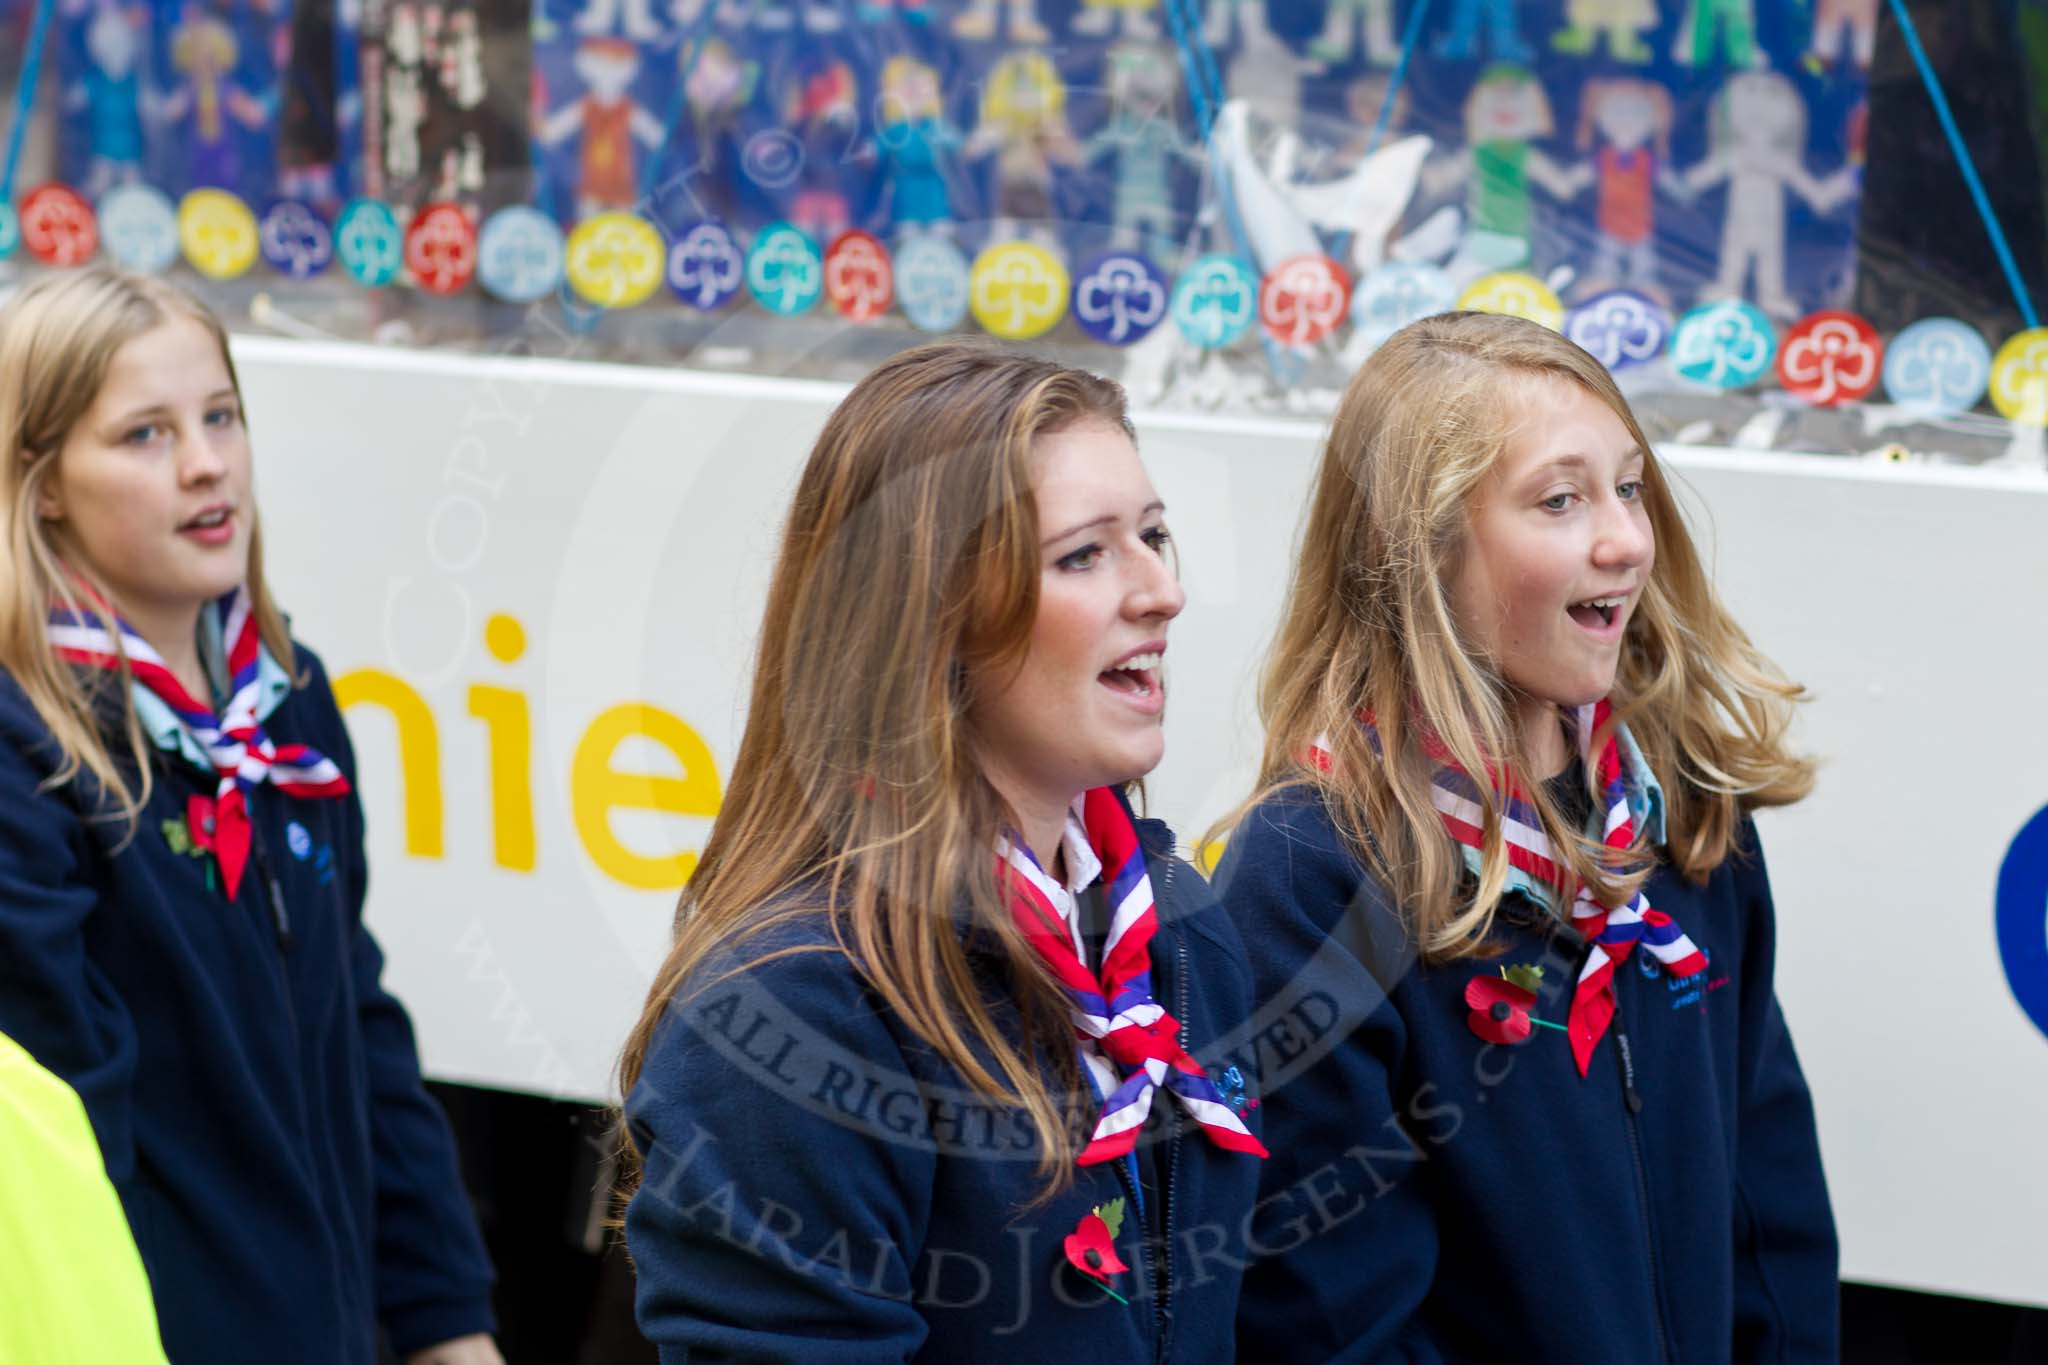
column 537, row 584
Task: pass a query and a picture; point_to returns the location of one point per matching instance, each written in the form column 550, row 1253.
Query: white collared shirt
column 1083, row 870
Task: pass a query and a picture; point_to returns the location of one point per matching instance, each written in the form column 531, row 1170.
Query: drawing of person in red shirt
column 608, row 170
column 1626, row 123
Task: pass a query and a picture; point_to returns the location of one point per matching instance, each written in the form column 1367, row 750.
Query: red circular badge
column 1831, row 357
column 1302, row 300
column 858, row 277
column 440, row 248
column 57, row 226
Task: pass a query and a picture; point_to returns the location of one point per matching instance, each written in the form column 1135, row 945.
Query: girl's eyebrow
column 137, row 414
column 1557, row 465
column 1576, row 461
column 164, row 409
column 1154, row 506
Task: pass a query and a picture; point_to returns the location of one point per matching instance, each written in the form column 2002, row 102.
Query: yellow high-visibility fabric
column 74, row 1283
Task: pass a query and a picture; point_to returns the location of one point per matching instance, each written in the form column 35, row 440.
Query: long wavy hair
column 909, row 563
column 58, row 338
column 1369, row 627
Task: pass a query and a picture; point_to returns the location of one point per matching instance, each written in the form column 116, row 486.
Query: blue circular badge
column 139, row 228
column 295, row 239
column 298, row 840
column 1620, row 328
column 931, row 283
column 705, row 267
column 520, row 254
column 1937, row 367
column 1724, row 345
column 1395, row 295
column 10, row 231
column 2022, row 918
column 1216, row 301
column 1119, row 297
column 785, row 270
column 367, row 239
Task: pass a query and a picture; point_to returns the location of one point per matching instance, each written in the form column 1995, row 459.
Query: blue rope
column 1969, row 167
column 25, row 96
column 1410, row 36
column 1204, row 86
column 1205, row 57
column 1198, row 85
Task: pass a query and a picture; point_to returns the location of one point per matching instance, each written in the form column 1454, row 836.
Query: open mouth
column 214, row 527
column 1136, row 677
column 1597, row 613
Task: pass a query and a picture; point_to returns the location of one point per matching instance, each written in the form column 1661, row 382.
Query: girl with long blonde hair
column 181, row 864
column 928, row 1070
column 1502, row 839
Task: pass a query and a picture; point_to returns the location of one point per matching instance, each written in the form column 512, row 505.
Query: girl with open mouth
column 930, row 1072
column 1513, row 746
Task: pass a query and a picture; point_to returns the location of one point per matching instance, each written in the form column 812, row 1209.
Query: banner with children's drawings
column 1701, row 151
column 1675, row 186
column 1708, row 152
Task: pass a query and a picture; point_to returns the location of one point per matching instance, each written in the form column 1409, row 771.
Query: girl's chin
column 1569, row 696
column 1130, row 768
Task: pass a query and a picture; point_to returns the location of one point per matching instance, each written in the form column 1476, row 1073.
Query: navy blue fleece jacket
column 822, row 1189
column 1434, row 1197
column 255, row 1091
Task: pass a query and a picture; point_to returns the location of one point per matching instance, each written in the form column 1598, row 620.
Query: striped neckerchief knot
column 1611, row 932
column 241, row 756
column 1113, row 1010
column 1614, row 931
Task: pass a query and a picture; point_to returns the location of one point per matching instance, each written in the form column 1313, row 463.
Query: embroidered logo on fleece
column 300, row 840
column 1684, row 990
column 1230, row 1085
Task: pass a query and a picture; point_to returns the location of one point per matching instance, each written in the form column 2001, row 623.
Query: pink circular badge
column 1302, row 300
column 440, row 248
column 858, row 277
column 57, row 226
column 1831, row 357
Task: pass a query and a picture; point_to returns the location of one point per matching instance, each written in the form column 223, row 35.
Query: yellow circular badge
column 1018, row 290
column 1517, row 295
column 218, row 233
column 2019, row 378
column 615, row 260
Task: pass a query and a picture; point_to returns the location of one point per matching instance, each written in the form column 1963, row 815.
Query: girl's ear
column 49, row 500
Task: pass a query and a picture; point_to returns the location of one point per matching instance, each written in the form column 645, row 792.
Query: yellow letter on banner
column 419, row 750
column 596, row 789
column 510, row 726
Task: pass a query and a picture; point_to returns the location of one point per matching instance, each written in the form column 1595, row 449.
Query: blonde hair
column 910, row 562
column 1369, row 626
column 58, row 338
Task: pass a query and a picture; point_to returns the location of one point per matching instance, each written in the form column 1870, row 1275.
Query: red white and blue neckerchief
column 1114, row 1010
column 234, row 743
column 1612, row 932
